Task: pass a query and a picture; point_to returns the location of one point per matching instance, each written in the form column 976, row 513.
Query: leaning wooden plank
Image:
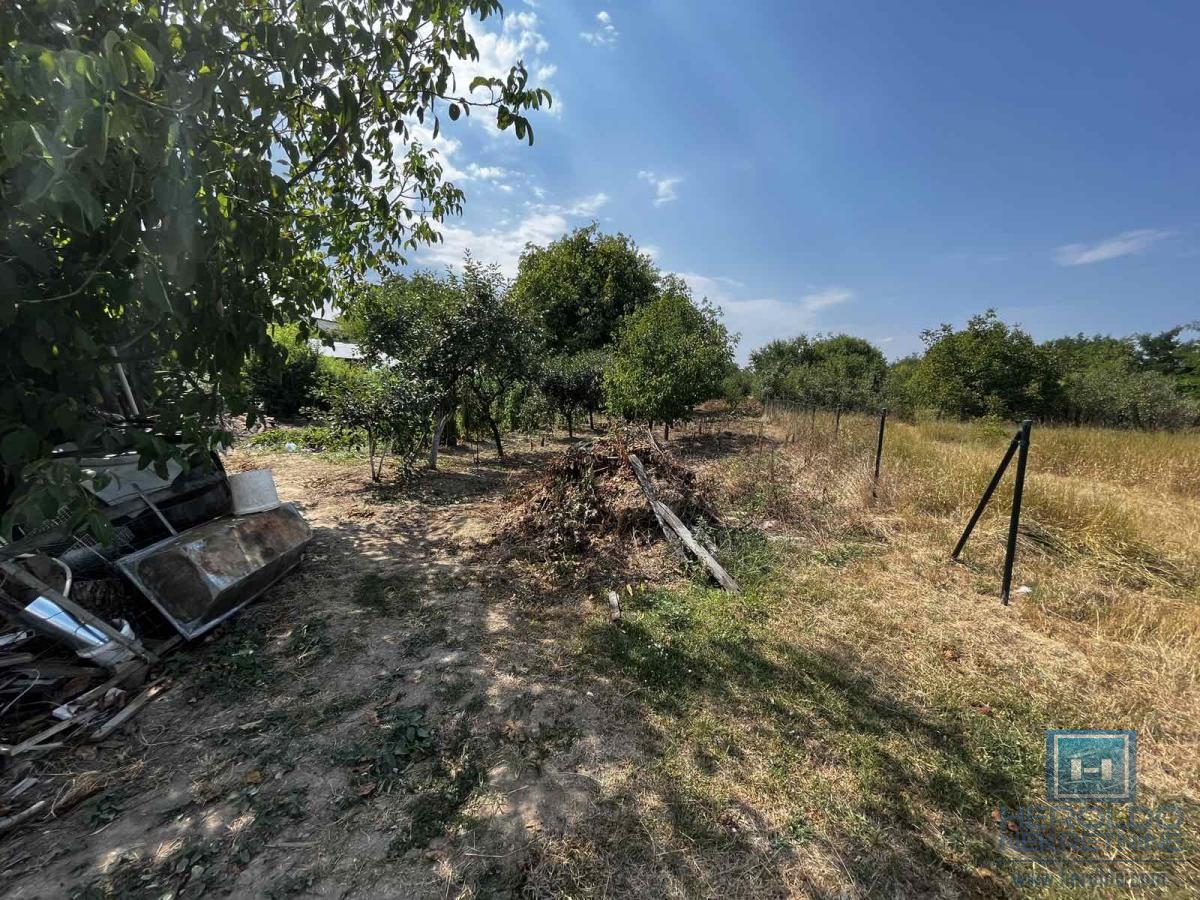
column 131, row 644
column 131, row 709
column 648, row 490
column 665, row 514
column 704, row 505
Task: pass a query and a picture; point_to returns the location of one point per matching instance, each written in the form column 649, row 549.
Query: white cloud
column 824, row 299
column 1127, row 243
column 541, row 224
column 762, row 319
column 588, row 206
column 477, row 172
column 664, row 187
column 605, row 33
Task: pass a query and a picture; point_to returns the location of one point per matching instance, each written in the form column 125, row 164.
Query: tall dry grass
column 1109, row 541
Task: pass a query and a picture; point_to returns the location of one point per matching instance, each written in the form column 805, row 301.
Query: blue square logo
column 1091, row 765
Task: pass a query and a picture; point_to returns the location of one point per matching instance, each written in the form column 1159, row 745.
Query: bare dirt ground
column 395, row 719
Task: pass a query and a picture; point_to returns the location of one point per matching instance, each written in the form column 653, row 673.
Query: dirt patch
column 384, row 722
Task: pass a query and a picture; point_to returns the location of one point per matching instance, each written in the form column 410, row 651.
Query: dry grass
column 848, row 726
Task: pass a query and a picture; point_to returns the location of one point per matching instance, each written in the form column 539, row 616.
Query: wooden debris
column 131, row 709
column 19, row 788
column 667, row 519
column 38, row 742
column 14, row 821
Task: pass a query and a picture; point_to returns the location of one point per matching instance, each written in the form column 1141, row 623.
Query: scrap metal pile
column 83, row 624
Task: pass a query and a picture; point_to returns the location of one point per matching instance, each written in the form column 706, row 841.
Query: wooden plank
column 36, row 742
column 644, row 482
column 13, row 821
column 665, row 514
column 87, row 618
column 132, row 708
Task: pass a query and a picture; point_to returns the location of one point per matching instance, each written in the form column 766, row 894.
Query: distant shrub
column 284, row 381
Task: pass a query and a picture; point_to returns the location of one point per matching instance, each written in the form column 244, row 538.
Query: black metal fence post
column 879, row 449
column 987, row 494
column 1014, row 522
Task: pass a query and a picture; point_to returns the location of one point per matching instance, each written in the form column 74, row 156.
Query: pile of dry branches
column 589, row 497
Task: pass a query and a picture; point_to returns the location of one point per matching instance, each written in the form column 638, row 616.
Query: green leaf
column 143, row 61
column 18, row 445
column 156, row 291
column 116, row 61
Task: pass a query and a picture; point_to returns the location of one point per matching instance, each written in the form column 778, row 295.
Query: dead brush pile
column 589, row 498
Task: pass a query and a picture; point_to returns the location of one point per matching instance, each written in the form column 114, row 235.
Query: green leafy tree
column 451, row 332
column 388, row 405
column 1134, row 382
column 987, row 369
column 176, row 177
column 1168, row 354
column 773, row 362
column 577, row 289
column 902, row 391
column 670, row 355
column 737, row 387
column 283, row 379
column 572, row 384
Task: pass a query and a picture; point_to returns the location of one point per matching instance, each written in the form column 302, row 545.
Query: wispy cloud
column 831, row 296
column 664, row 186
column 541, row 224
column 1127, row 243
column 605, row 33
column 762, row 319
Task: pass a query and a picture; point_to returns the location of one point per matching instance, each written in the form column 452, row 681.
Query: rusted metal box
column 201, row 576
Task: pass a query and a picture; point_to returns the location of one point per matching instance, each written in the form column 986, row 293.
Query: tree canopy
column 578, row 288
column 176, row 177
column 670, row 355
column 451, row 332
column 987, row 368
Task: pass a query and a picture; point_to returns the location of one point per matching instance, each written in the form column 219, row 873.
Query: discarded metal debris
column 83, row 638
column 201, row 576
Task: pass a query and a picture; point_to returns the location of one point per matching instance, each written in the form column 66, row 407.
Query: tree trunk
column 496, row 437
column 437, row 441
column 571, row 423
column 591, row 421
column 666, row 431
column 837, row 421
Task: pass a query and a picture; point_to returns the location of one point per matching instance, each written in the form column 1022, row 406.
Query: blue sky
column 875, row 168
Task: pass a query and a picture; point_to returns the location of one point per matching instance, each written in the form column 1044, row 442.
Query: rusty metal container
column 201, row 576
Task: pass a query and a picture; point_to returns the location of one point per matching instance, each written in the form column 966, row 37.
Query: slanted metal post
column 1010, row 551
column 879, row 449
column 987, row 494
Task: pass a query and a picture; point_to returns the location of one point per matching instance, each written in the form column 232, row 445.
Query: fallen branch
column 671, row 523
